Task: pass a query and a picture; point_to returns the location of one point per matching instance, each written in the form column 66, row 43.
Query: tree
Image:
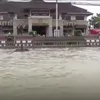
column 95, row 21
column 78, row 33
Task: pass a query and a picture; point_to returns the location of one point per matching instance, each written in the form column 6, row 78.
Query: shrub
column 33, row 33
column 78, row 33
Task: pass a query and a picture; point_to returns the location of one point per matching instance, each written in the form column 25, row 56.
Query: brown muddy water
column 50, row 74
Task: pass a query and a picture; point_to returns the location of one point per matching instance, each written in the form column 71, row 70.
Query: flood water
column 50, row 74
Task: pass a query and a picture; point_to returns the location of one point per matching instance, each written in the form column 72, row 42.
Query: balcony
column 66, row 22
column 75, row 22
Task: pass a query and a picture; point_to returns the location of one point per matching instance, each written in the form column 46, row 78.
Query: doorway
column 41, row 30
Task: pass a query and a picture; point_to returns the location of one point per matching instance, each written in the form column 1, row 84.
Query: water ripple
column 50, row 71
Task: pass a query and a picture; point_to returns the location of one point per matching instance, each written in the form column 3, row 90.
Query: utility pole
column 57, row 17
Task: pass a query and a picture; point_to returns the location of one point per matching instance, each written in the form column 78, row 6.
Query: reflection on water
column 50, row 74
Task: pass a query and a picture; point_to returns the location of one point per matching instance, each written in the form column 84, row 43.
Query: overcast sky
column 94, row 9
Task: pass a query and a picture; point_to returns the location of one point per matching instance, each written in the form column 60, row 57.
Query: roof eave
column 79, row 13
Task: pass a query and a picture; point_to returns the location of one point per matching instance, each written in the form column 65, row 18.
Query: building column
column 87, row 31
column 29, row 25
column 14, row 27
column 50, row 30
column 73, row 32
column 61, row 29
column 50, row 34
column 73, row 29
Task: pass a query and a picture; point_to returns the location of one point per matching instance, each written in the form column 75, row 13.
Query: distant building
column 39, row 16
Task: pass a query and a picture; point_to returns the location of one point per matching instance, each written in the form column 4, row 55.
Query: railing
column 75, row 22
column 51, row 42
column 71, row 22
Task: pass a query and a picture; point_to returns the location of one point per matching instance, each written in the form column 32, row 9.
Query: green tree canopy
column 95, row 21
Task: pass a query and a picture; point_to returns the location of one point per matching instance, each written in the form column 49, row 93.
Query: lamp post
column 57, row 17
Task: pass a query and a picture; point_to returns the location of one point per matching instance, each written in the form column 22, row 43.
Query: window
column 68, row 17
column 79, row 17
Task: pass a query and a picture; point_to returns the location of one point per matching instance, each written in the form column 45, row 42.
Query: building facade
column 40, row 16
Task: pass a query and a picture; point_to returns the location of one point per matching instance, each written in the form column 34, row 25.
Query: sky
column 93, row 9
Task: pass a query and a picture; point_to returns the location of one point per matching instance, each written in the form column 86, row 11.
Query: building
column 40, row 16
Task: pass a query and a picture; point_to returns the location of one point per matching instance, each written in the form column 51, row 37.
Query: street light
column 57, row 17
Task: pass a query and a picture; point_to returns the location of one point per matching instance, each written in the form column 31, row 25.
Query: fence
column 50, row 43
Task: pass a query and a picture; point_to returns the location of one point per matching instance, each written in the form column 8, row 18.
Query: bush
column 33, row 33
column 78, row 33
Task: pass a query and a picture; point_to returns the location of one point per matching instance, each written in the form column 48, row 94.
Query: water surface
column 50, row 74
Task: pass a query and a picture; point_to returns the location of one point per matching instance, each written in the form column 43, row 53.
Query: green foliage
column 95, row 21
column 77, row 33
column 33, row 33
